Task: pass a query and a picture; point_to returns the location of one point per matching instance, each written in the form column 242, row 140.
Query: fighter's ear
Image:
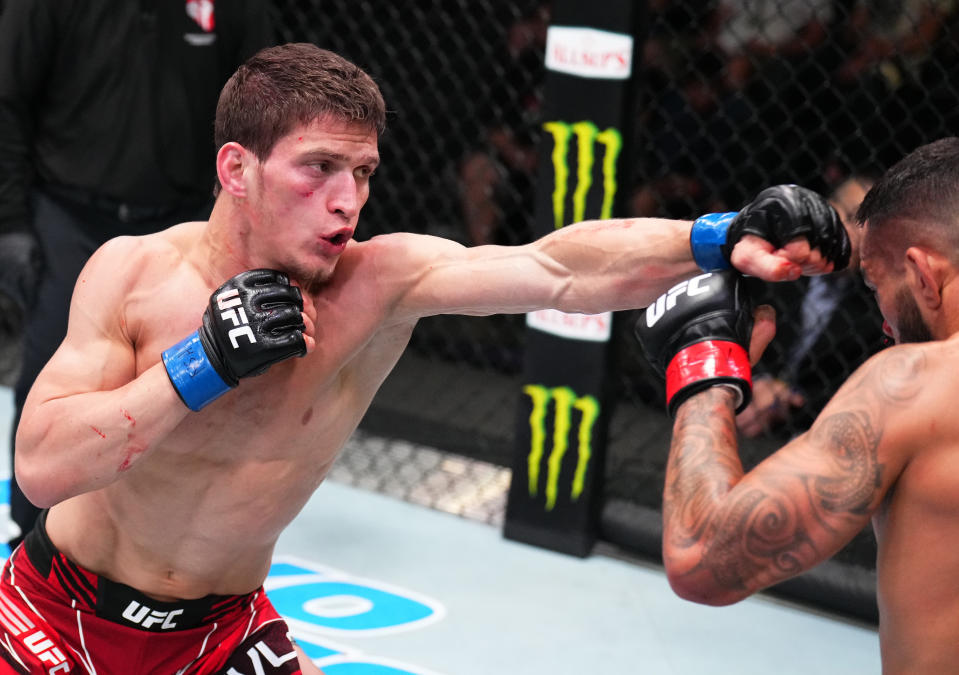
column 232, row 161
column 926, row 273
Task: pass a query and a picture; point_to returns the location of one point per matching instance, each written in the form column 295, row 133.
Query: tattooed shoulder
column 894, row 376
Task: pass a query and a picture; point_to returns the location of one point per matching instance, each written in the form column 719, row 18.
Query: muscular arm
column 588, row 267
column 89, row 417
column 728, row 533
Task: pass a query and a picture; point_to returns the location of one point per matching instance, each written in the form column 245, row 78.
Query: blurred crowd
column 733, row 95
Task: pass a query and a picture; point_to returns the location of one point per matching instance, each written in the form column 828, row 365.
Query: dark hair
column 280, row 87
column 917, row 200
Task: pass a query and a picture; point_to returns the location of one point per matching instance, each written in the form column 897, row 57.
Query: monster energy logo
column 587, row 136
column 565, row 401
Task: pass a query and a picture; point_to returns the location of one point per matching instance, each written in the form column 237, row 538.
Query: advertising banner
column 562, row 418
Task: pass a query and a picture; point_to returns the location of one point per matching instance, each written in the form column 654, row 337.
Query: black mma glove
column 697, row 335
column 21, row 262
column 252, row 322
column 778, row 214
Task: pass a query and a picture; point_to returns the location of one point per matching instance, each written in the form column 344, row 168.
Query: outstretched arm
column 603, row 265
column 728, row 533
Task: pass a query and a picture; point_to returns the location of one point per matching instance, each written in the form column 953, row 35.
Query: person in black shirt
column 106, row 128
column 837, row 327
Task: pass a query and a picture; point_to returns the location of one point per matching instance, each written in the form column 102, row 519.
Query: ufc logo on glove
column 696, row 335
column 667, row 300
column 226, row 301
column 259, row 304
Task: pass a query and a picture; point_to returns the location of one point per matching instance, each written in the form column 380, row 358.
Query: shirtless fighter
column 885, row 448
column 169, row 470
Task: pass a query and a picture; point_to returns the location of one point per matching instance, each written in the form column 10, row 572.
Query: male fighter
column 885, row 448
column 169, row 470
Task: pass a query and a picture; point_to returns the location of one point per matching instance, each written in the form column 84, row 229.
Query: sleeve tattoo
column 808, row 503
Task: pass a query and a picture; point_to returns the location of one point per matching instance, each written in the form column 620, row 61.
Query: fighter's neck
column 227, row 246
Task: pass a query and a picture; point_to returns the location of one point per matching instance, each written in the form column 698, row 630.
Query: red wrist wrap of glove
column 717, row 360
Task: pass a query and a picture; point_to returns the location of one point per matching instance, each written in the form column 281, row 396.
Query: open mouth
column 340, row 238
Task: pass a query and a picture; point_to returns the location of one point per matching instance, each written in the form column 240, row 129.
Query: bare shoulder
column 401, row 250
column 901, row 377
column 399, row 259
column 898, row 402
column 125, row 268
column 123, row 260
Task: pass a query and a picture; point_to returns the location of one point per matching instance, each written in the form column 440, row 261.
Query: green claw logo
column 565, row 401
column 587, row 136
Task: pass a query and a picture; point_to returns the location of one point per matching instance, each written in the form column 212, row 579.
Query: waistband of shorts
column 118, row 602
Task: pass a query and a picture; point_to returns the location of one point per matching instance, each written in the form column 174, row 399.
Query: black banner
column 562, row 418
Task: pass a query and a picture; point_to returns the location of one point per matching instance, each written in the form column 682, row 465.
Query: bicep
column 803, row 503
column 85, row 361
column 430, row 275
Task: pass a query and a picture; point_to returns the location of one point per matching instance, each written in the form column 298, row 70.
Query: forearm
column 617, row 264
column 702, row 469
column 83, row 442
column 703, row 463
column 727, row 535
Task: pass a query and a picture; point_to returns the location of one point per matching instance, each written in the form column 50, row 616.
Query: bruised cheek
column 286, row 200
column 305, row 189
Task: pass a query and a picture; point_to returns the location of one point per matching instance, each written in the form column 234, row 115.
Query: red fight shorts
column 56, row 617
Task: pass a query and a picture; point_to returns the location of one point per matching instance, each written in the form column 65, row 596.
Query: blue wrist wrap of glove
column 192, row 374
column 706, row 237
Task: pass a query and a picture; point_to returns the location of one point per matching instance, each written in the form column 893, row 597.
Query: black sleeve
column 27, row 45
column 257, row 30
column 786, row 298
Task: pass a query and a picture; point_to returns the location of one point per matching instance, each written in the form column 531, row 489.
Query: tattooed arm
column 728, row 533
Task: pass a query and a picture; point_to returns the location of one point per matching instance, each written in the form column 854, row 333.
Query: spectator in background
column 692, row 137
column 106, row 129
column 683, row 120
column 497, row 180
column 893, row 37
column 721, row 119
column 754, row 33
column 890, row 81
column 838, row 326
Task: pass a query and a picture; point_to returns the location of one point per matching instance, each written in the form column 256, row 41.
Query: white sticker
column 589, row 327
column 590, row 53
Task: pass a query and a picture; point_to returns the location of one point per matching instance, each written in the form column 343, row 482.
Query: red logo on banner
column 201, row 11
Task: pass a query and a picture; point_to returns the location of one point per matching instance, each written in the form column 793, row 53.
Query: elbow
column 702, row 593
column 35, row 486
column 691, row 579
column 37, row 483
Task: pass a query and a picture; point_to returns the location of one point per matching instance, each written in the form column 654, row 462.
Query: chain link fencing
column 731, row 97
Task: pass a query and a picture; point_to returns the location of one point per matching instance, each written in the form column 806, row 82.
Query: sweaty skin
column 181, row 504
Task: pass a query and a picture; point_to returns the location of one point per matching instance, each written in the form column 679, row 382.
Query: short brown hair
column 280, row 87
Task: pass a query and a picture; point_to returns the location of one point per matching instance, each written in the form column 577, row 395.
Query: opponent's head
column 293, row 84
column 910, row 243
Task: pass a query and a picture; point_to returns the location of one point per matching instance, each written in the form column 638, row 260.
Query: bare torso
column 180, row 504
column 201, row 512
column 917, row 529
